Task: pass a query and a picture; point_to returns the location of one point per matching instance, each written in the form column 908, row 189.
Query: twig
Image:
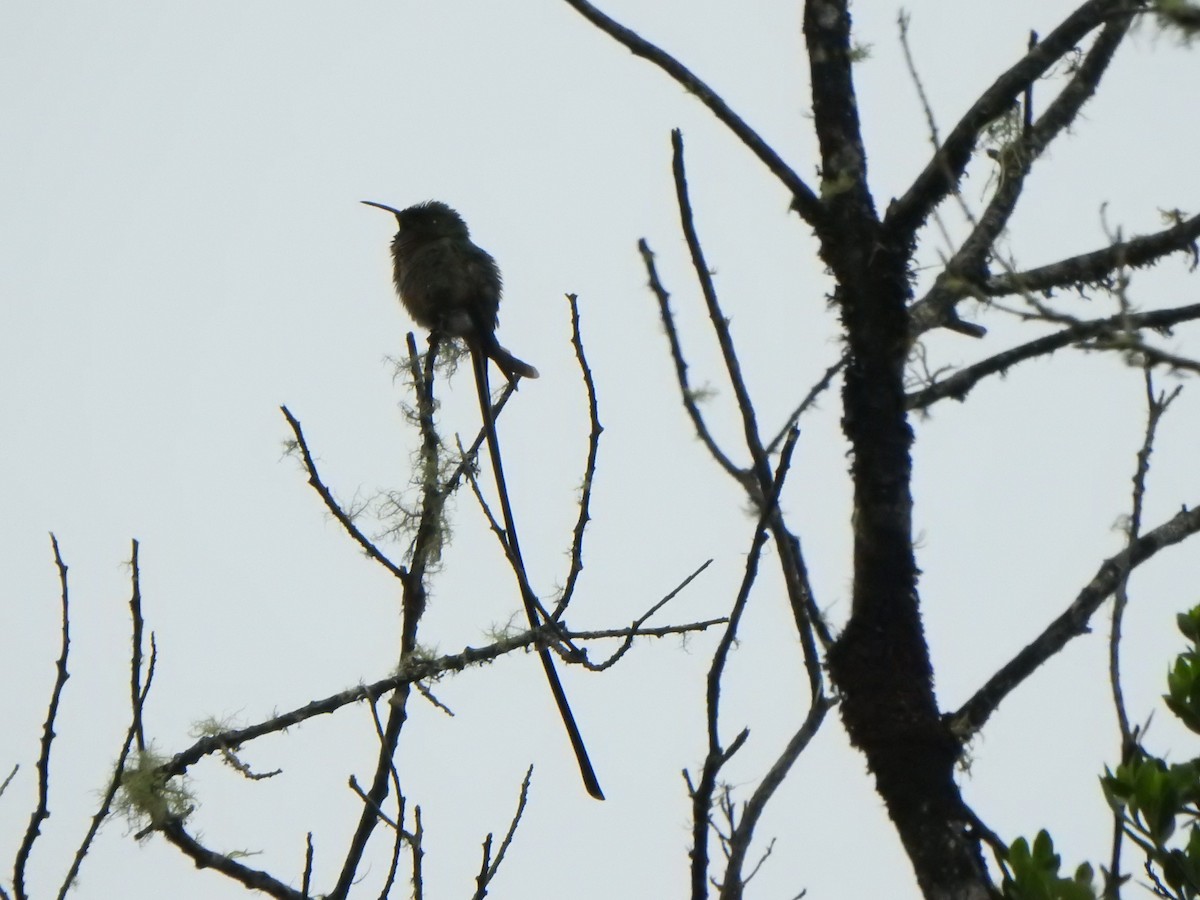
column 134, row 734
column 1096, row 266
column 717, row 755
column 1138, row 351
column 686, row 392
column 136, row 695
column 41, row 811
column 410, row 671
column 8, row 778
column 659, row 631
column 717, row 318
column 636, row 630
column 810, row 398
column 758, row 481
column 501, row 534
column 1156, row 407
column 418, row 855
column 306, row 878
column 741, row 836
column 412, row 603
column 398, row 839
column 332, row 505
column 383, row 817
column 489, row 867
column 589, row 468
column 380, row 732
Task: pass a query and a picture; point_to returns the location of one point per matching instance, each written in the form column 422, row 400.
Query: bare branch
column 589, row 468
column 134, row 734
column 958, row 385
column 968, row 265
column 490, row 866
column 8, row 778
column 1078, row 272
column 717, row 755
column 356, row 788
column 399, row 835
column 426, row 545
column 718, row 320
column 1156, row 407
column 1072, row 623
column 332, row 505
column 636, row 629
column 809, row 400
column 378, row 792
column 687, row 394
column 418, row 854
column 643, row 631
column 804, row 201
column 942, row 173
column 413, row 669
column 1097, row 267
column 41, row 811
column 254, row 879
column 741, row 836
column 306, row 879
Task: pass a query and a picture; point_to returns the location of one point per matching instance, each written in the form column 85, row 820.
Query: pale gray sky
column 182, row 250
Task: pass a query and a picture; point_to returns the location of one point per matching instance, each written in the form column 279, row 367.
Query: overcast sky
column 182, row 250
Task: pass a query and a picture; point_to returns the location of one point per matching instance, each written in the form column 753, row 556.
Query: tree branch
column 968, row 266
column 41, row 810
column 958, row 385
column 1072, row 623
column 254, row 879
column 589, row 467
column 1096, row 267
column 835, row 110
column 686, row 392
column 718, row 755
column 804, row 201
column 942, row 173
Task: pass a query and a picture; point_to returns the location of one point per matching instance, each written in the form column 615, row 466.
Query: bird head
column 429, row 220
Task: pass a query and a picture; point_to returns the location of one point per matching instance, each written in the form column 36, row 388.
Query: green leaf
column 1032, row 874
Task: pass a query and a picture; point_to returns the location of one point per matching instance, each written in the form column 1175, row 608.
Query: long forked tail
column 479, row 362
column 509, row 364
